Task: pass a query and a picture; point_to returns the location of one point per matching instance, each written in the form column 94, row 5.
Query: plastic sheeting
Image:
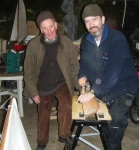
column 15, row 137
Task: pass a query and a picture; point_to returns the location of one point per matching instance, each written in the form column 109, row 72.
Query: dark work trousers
column 119, row 112
column 64, row 114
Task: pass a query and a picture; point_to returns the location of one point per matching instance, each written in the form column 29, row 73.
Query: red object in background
column 138, row 74
column 18, row 47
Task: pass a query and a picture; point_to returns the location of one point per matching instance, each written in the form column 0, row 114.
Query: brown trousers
column 64, row 114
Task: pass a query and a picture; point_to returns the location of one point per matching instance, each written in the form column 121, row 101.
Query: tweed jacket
column 66, row 57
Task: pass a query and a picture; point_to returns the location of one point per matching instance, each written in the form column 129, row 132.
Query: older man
column 107, row 64
column 50, row 70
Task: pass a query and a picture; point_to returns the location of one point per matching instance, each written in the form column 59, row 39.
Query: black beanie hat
column 91, row 10
column 43, row 15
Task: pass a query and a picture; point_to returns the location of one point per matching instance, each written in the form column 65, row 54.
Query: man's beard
column 97, row 33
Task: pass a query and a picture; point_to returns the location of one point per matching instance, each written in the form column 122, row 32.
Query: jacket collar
column 59, row 36
column 91, row 38
column 44, row 40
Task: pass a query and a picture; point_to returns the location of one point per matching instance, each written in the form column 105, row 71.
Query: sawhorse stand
column 80, row 124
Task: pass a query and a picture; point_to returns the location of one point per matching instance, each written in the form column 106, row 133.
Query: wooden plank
column 77, row 110
column 102, row 113
column 5, row 126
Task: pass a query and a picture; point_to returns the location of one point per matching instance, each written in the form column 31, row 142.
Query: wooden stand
column 101, row 118
column 78, row 111
column 80, row 124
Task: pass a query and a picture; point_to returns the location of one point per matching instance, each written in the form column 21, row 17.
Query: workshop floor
column 130, row 140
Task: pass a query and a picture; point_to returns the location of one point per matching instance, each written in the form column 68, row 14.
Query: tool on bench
column 90, row 107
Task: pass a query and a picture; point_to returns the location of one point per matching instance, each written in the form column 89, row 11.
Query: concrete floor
column 130, row 140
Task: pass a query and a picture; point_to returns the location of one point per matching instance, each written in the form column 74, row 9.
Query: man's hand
column 83, row 98
column 36, row 99
column 82, row 81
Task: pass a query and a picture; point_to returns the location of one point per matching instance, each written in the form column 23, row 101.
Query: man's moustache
column 93, row 27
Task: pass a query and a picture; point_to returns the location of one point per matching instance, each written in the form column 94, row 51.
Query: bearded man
column 107, row 64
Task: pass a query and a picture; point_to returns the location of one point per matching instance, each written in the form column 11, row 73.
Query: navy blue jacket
column 109, row 67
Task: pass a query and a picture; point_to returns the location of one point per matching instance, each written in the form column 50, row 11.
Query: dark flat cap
column 43, row 15
column 91, row 10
